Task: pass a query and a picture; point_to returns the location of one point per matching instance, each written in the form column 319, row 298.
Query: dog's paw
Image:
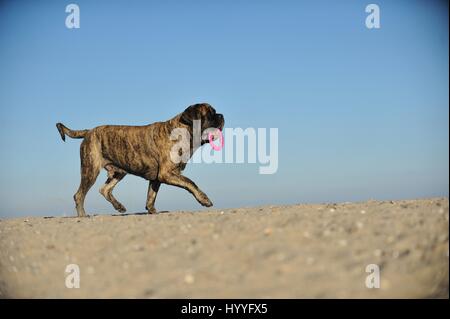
column 205, row 201
column 151, row 210
column 120, row 208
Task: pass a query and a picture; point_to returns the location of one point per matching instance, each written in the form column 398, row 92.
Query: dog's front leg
column 187, row 184
column 153, row 187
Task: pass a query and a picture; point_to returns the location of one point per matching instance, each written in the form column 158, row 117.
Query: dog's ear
column 189, row 115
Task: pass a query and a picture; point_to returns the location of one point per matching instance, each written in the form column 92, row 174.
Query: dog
column 143, row 151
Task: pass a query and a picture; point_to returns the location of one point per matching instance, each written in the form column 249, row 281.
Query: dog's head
column 204, row 113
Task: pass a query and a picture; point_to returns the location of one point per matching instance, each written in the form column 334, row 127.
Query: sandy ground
column 298, row 251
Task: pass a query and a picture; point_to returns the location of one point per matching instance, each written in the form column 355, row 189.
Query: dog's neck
column 175, row 122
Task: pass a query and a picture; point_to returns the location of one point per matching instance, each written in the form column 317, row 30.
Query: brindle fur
column 139, row 150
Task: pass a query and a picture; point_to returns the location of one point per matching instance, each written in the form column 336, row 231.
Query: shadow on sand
column 137, row 214
column 113, row 215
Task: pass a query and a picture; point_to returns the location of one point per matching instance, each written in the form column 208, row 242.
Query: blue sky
column 361, row 113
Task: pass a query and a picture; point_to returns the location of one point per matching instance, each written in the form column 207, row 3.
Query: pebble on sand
column 138, row 247
column 189, row 279
column 343, row 242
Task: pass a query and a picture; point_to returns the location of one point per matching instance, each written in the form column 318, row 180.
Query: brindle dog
column 139, row 150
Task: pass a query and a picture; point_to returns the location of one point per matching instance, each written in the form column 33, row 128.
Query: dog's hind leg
column 153, row 188
column 115, row 175
column 90, row 168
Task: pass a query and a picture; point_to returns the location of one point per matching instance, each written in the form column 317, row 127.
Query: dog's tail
column 63, row 131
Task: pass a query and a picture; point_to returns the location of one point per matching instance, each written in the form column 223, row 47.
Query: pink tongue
column 211, row 137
